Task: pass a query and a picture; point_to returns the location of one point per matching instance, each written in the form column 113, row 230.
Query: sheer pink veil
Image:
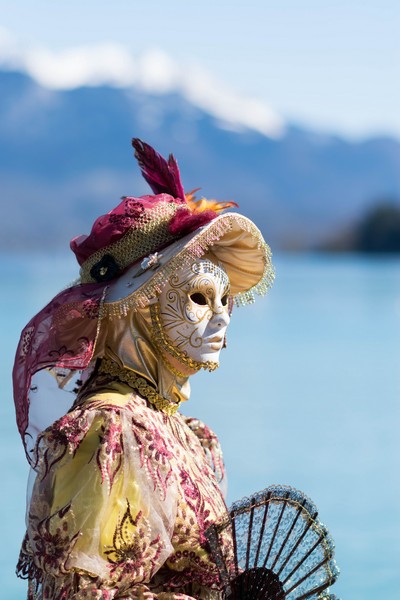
column 55, row 347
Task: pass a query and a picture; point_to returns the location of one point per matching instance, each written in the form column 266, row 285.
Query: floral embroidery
column 187, row 578
column 62, row 352
column 154, row 455
column 197, row 503
column 109, row 453
column 210, row 445
column 26, row 568
column 26, row 341
column 155, row 546
column 65, row 434
column 133, row 209
column 74, row 429
column 133, row 553
column 90, row 308
column 52, row 545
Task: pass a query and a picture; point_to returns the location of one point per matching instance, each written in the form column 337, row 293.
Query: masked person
column 123, row 486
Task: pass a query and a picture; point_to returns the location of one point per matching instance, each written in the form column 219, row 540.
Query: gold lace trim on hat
column 149, row 233
column 139, row 384
column 195, row 249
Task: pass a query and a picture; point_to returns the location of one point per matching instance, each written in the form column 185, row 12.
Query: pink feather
column 162, row 176
column 184, row 221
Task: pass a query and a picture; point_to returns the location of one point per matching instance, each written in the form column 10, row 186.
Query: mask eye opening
column 224, row 299
column 198, row 298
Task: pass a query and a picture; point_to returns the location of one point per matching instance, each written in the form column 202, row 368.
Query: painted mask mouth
column 214, row 344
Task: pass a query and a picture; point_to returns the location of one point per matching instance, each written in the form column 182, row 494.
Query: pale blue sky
column 328, row 64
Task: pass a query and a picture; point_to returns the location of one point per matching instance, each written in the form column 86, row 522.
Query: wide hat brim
column 232, row 238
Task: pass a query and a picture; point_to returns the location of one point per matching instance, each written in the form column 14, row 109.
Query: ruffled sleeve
column 103, row 505
column 212, row 449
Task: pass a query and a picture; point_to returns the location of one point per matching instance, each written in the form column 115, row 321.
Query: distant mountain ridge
column 152, row 72
column 66, row 158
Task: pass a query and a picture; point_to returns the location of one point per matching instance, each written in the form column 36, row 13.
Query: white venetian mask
column 192, row 315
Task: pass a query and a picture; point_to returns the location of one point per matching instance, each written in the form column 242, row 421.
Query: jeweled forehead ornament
column 125, row 262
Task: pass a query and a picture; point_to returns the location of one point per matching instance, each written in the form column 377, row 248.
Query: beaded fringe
column 195, row 249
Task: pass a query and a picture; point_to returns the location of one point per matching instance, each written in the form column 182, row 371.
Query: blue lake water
column 307, row 394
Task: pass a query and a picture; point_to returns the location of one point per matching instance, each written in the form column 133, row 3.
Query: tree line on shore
column 377, row 232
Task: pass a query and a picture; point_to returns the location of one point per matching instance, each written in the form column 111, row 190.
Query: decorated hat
column 140, row 243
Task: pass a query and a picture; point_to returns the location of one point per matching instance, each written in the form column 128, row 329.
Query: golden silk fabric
column 122, row 498
column 128, row 343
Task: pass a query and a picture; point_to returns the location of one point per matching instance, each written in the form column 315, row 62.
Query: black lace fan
column 273, row 547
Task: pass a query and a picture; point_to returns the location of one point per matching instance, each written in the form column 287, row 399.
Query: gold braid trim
column 162, row 343
column 150, row 232
column 195, row 249
column 170, row 368
column 139, row 384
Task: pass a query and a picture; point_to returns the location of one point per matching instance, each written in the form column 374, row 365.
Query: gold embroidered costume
column 125, row 487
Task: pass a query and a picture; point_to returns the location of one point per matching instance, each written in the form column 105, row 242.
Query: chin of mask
column 193, row 309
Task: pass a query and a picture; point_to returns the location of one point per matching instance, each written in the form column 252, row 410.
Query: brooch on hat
column 150, row 262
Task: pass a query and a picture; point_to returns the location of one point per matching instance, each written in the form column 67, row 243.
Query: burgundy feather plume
column 162, row 176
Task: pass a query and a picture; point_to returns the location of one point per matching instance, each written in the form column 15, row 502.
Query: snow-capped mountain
column 66, row 153
column 154, row 72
